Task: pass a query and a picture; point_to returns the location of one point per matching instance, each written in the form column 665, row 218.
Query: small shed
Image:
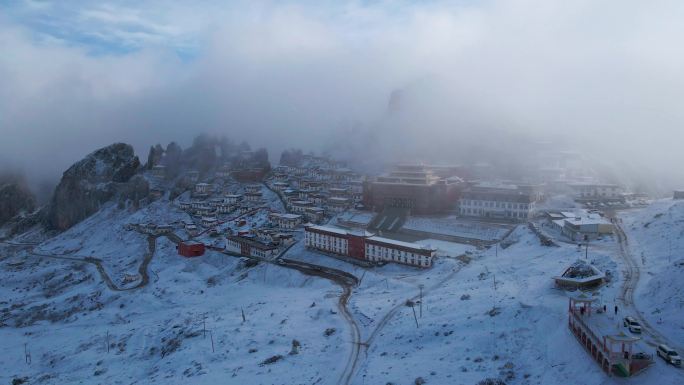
column 190, row 249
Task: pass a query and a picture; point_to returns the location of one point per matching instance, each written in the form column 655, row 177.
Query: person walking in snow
column 615, row 309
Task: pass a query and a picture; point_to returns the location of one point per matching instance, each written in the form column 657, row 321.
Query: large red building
column 418, row 188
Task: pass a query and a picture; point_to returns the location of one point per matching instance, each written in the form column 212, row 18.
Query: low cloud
column 604, row 78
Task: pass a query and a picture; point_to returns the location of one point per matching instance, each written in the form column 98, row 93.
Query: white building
column 252, row 188
column 498, row 202
column 328, row 239
column 285, row 221
column 224, row 208
column 204, row 210
column 202, row 188
column 379, row 249
column 366, row 246
column 582, row 225
column 597, row 192
column 280, row 186
column 299, row 206
column 250, row 247
column 209, row 221
column 253, row 196
column 232, row 198
column 337, row 205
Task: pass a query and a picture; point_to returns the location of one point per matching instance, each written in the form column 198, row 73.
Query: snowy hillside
column 657, row 242
column 486, row 313
column 62, row 312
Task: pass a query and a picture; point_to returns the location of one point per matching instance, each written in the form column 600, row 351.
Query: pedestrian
column 615, row 309
column 604, row 308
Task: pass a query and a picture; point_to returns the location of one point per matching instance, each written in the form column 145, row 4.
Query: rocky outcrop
column 89, row 183
column 15, row 199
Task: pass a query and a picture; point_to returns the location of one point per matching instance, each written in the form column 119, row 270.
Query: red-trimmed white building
column 389, row 250
column 367, row 246
column 328, row 239
column 250, row 247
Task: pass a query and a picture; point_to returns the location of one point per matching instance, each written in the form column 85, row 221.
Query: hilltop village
column 272, row 264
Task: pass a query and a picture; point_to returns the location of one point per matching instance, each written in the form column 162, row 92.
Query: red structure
column 612, row 352
column 357, row 246
column 422, row 189
column 190, row 249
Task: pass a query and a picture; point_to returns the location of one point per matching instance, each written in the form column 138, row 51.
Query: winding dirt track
column 97, row 262
column 345, row 280
column 342, row 278
column 632, row 274
column 390, row 314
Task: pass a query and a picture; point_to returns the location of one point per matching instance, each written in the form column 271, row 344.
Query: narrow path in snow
column 632, row 274
column 342, row 278
column 390, row 314
column 97, row 262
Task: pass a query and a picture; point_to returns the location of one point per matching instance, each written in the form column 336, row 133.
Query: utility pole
column 107, row 341
column 414, row 314
column 586, row 248
column 362, row 275
column 421, row 299
column 211, row 334
column 243, row 315
column 204, row 324
column 27, row 354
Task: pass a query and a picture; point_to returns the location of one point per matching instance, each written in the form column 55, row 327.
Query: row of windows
column 421, row 261
column 373, row 249
column 508, row 214
column 377, row 253
column 501, row 205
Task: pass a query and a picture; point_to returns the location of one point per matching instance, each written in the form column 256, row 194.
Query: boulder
column 89, row 183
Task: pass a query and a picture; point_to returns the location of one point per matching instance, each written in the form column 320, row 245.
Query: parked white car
column 669, row 355
column 631, row 324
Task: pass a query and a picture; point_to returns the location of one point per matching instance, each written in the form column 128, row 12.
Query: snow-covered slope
column 64, row 315
column 492, row 313
column 656, row 236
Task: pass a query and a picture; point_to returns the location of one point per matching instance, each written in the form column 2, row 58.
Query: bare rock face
column 15, row 199
column 89, row 183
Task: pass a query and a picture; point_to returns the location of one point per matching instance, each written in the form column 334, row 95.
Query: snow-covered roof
column 328, row 229
column 591, row 219
column 286, row 216
column 394, row 242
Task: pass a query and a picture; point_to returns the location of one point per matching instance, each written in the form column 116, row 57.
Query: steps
column 391, row 219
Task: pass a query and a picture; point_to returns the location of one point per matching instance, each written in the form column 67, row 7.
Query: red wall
column 191, row 250
column 357, row 246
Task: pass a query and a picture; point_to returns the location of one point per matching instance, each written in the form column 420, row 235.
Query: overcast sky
column 606, row 76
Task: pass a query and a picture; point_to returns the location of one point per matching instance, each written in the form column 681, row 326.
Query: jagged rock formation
column 90, row 182
column 15, row 198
